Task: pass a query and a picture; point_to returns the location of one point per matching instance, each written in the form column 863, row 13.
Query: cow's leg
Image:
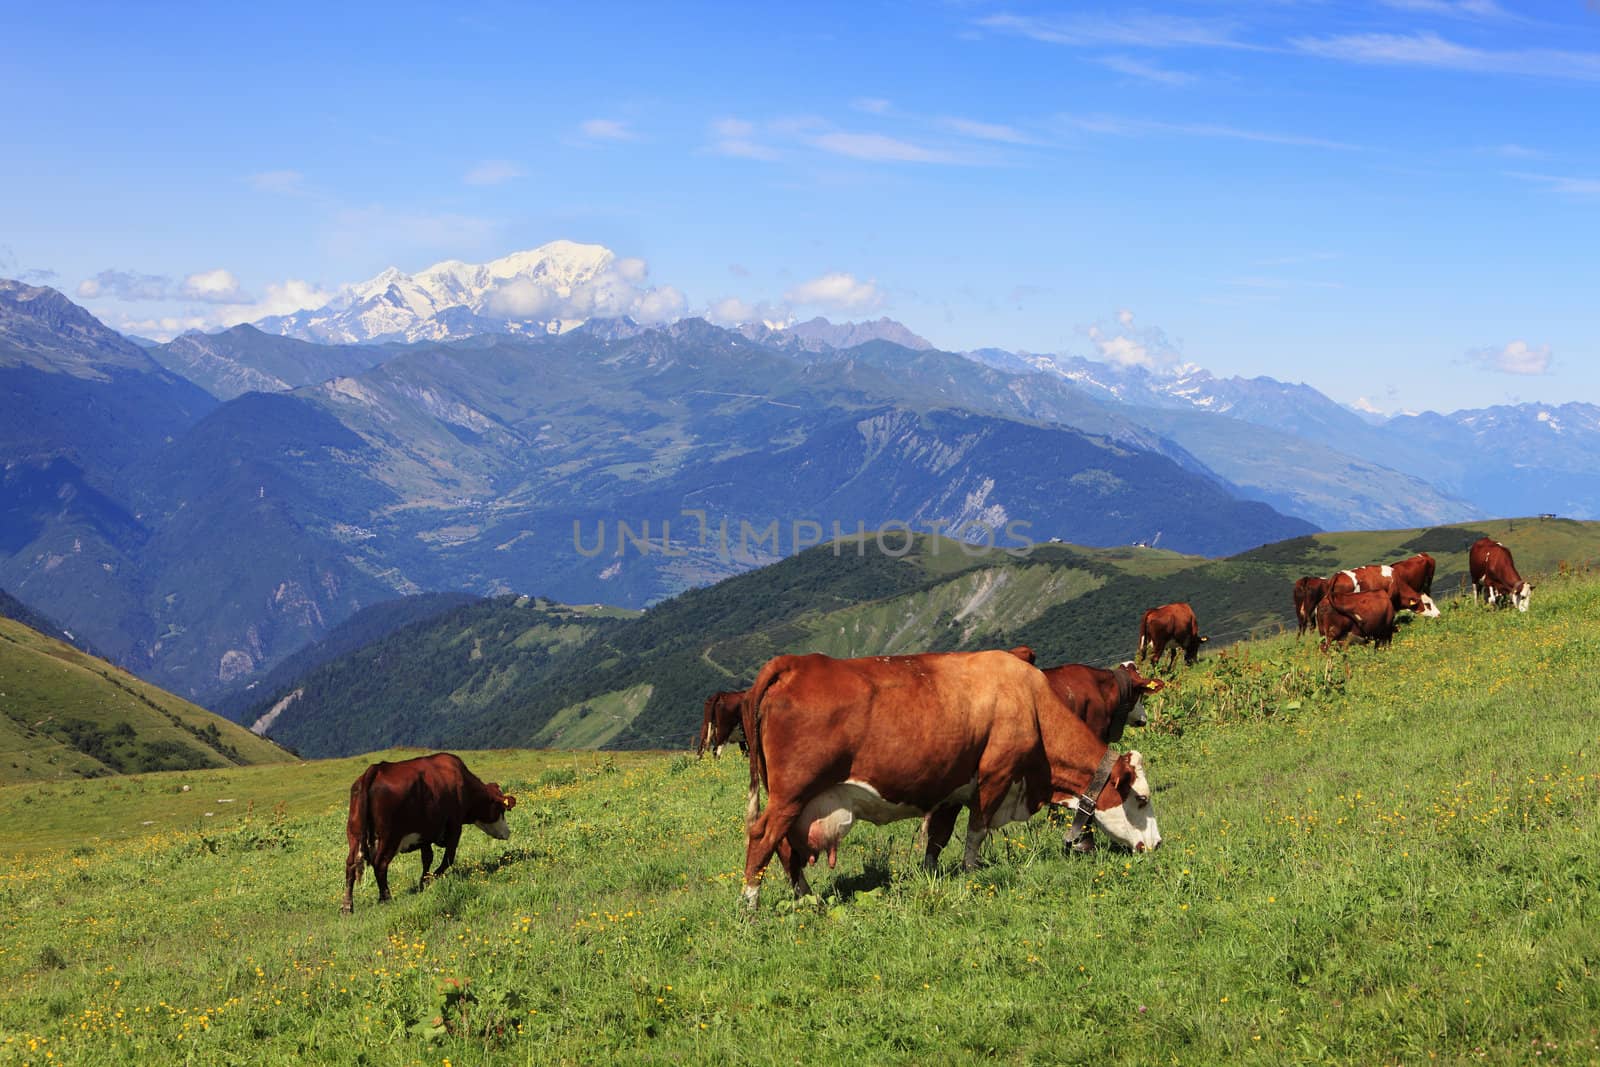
column 937, row 826
column 794, row 859
column 427, row 861
column 452, row 838
column 352, row 875
column 380, row 868
column 765, row 832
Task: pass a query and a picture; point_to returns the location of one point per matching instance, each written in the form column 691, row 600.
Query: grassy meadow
column 1368, row 858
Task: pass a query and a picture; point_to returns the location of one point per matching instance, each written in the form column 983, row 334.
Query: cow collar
column 1125, row 701
column 1079, row 830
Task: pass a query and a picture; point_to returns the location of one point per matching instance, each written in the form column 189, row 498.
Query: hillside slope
column 66, row 714
column 1341, row 880
column 648, row 675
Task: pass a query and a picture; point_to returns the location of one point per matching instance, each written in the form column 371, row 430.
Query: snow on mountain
column 550, row 289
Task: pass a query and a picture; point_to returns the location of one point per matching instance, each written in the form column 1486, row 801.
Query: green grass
column 1369, row 858
column 66, row 714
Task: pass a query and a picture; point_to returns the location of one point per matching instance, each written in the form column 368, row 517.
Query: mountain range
column 201, row 509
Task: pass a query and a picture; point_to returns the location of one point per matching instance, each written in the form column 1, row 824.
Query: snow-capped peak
column 549, row 289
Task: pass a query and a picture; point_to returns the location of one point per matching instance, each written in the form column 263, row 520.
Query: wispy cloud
column 872, row 105
column 987, row 131
column 1517, row 151
column 1468, row 9
column 737, row 138
column 1132, row 127
column 1138, row 68
column 493, row 172
column 1518, row 357
column 1133, row 346
column 879, row 147
column 208, row 287
column 1558, row 183
column 607, row 130
column 283, row 182
column 1434, row 51
column 1132, row 30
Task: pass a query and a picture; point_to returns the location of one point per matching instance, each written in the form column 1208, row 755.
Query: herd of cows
column 884, row 738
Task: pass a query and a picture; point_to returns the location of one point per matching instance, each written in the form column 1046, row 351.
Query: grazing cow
column 416, row 804
column 1170, row 624
column 1344, row 617
column 1494, row 572
column 896, row 737
column 1416, row 571
column 1382, row 578
column 721, row 719
column 1308, row 593
column 1106, row 700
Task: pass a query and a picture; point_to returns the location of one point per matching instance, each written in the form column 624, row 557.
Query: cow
column 896, row 737
column 1024, row 653
column 416, row 804
column 1308, row 593
column 1416, row 571
column 1170, row 624
column 1106, row 700
column 1382, row 578
column 1494, row 572
column 721, row 719
column 1367, row 616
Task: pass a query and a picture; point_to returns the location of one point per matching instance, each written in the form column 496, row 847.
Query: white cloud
column 290, row 182
column 281, row 298
column 1129, row 346
column 606, row 130
column 1518, row 357
column 617, row 290
column 872, row 105
column 838, row 291
column 493, row 172
column 214, row 287
column 1432, row 50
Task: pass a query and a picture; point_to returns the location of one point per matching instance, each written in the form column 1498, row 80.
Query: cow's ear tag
column 511, row 802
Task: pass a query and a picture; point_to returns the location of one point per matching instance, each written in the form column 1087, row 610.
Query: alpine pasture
column 1369, row 858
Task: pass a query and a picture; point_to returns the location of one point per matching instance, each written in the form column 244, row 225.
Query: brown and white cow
column 416, row 804
column 1170, row 624
column 897, row 737
column 1382, row 578
column 1308, row 593
column 1494, row 572
column 1344, row 617
column 721, row 718
column 1416, row 571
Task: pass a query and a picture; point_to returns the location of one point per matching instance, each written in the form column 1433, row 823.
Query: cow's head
column 1521, row 595
column 1123, row 809
column 1143, row 687
column 1191, row 651
column 1024, row 653
column 491, row 818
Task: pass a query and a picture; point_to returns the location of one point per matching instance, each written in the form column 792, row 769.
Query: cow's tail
column 750, row 718
column 707, row 725
column 361, row 812
column 1144, row 630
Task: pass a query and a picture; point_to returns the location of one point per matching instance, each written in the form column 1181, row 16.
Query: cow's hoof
column 345, row 909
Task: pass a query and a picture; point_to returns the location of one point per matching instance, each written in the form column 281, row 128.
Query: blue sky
column 1395, row 200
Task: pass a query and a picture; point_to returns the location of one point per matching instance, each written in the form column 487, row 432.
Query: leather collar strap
column 1079, row 830
column 1125, row 701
